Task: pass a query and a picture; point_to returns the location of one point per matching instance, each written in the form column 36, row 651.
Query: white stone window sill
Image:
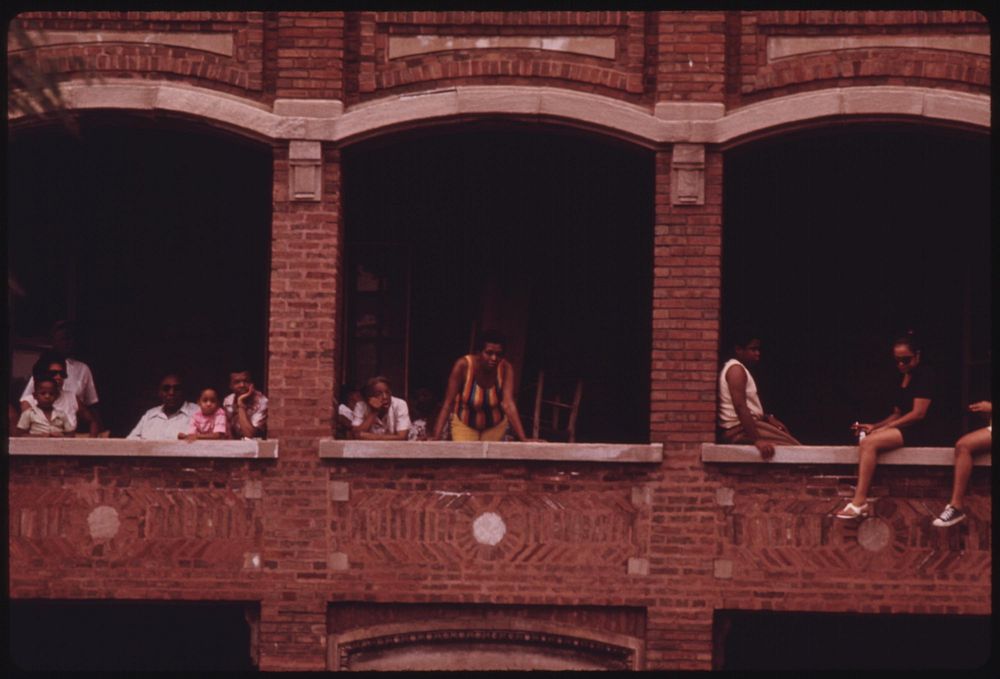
column 922, row 457
column 100, row 447
column 454, row 450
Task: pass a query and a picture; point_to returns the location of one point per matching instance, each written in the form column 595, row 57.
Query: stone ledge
column 452, row 450
column 923, row 457
column 88, row 447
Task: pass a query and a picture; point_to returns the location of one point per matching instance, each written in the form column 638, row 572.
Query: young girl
column 43, row 418
column 210, row 421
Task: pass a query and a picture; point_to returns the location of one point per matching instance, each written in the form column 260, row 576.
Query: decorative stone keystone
column 723, row 569
column 638, row 566
column 253, row 490
column 305, row 171
column 340, row 491
column 724, row 496
column 338, row 561
column 251, row 561
column 687, row 174
column 642, row 496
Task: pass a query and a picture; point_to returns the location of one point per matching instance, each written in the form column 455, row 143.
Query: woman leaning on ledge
column 905, row 425
column 479, row 398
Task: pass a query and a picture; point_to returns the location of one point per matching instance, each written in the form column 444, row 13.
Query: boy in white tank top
column 741, row 415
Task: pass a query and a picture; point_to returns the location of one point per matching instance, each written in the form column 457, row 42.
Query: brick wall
column 675, row 541
column 239, row 72
column 755, row 77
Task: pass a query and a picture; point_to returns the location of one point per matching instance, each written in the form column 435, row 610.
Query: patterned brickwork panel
column 800, row 535
column 92, row 525
column 536, row 527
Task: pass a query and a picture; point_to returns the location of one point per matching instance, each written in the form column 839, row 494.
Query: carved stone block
column 305, row 170
column 687, row 175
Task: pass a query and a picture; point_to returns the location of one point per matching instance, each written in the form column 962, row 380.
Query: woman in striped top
column 479, row 399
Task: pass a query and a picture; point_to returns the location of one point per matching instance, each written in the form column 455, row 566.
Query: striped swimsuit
column 476, row 407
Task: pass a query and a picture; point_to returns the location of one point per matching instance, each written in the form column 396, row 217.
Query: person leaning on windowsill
column 380, row 416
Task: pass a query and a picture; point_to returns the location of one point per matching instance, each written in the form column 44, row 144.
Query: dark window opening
column 155, row 236
column 775, row 641
column 836, row 240
column 544, row 234
column 131, row 635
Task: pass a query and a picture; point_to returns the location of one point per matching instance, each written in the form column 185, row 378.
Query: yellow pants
column 463, row 432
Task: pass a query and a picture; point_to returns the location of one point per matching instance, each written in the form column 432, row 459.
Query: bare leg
column 868, row 450
column 973, row 442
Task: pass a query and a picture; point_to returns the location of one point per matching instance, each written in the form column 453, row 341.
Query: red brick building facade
column 352, row 558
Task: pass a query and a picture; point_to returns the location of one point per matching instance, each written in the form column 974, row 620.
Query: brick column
column 305, row 261
column 686, row 281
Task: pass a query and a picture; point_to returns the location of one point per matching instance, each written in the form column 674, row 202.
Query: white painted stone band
column 667, row 123
column 782, row 46
column 98, row 447
column 712, row 452
column 410, row 45
column 217, row 43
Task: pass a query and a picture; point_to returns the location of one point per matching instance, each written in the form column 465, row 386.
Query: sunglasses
column 60, row 373
column 903, row 360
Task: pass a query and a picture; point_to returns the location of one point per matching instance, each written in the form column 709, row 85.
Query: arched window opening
column 837, row 239
column 154, row 235
column 543, row 234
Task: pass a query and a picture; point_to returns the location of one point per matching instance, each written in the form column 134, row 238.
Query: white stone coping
column 455, row 450
column 922, row 457
column 99, row 447
column 664, row 123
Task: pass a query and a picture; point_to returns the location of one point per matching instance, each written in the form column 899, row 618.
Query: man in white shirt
column 79, row 380
column 380, row 416
column 166, row 421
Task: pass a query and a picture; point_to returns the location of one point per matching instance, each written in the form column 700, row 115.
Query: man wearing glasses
column 166, row 421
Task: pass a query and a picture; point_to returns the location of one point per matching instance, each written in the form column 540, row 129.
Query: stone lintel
column 100, row 447
column 453, row 450
column 712, row 452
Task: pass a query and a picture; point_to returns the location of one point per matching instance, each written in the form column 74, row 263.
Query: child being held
column 43, row 418
column 209, row 421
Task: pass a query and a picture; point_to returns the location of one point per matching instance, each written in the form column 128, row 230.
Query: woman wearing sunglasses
column 905, row 425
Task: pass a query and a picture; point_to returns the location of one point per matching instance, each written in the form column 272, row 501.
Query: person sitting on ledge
column 741, row 415
column 975, row 442
column 479, row 399
column 78, row 379
column 909, row 410
column 170, row 418
column 380, row 416
column 43, row 418
column 246, row 407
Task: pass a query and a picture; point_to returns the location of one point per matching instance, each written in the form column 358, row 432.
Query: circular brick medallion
column 874, row 534
column 103, row 522
column 489, row 528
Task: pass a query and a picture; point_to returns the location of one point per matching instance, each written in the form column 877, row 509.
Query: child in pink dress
column 210, row 421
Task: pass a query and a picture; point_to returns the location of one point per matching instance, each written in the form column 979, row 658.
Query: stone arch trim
column 668, row 122
column 622, row 651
